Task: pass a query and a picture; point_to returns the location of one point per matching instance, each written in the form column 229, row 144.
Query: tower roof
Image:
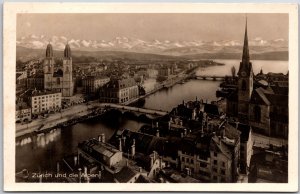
column 67, row 52
column 245, row 65
column 49, row 51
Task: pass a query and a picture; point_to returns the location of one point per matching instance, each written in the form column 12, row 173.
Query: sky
column 182, row 27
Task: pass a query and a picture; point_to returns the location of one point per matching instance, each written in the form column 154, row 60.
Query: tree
column 233, row 71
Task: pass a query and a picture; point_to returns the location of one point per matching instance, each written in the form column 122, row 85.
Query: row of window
column 47, row 96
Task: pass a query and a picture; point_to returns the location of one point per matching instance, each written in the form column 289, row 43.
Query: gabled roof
column 258, row 97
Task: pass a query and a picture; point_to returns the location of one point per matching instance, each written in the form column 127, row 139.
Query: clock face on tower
column 243, row 73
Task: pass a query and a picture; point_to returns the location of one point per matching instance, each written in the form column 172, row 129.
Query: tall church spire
column 246, row 57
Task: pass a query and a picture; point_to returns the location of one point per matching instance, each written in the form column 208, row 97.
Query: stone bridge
column 124, row 108
column 209, row 77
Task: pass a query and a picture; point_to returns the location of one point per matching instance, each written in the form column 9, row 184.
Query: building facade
column 91, row 84
column 60, row 78
column 23, row 112
column 119, row 91
column 42, row 102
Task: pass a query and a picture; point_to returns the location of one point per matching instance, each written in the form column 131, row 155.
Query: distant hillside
column 277, row 55
column 25, row 54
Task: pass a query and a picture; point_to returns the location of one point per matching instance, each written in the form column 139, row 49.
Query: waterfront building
column 264, row 108
column 91, row 84
column 23, row 112
column 35, row 81
column 164, row 72
column 119, row 91
column 60, row 79
column 44, row 101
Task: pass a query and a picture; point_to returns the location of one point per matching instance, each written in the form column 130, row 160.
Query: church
column 58, row 78
column 262, row 106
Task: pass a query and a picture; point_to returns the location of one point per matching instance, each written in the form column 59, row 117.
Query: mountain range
column 187, row 49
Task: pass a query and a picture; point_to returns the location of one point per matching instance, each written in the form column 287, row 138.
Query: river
column 43, row 152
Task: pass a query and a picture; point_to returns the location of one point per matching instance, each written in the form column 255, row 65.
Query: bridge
column 131, row 109
column 209, row 77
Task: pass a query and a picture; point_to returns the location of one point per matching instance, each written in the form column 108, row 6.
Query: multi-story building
column 119, row 91
column 42, row 102
column 61, row 79
column 23, row 112
column 164, row 72
column 246, row 150
column 91, row 84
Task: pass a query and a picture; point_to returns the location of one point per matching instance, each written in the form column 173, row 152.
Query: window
column 215, row 170
column 215, row 154
column 202, row 164
column 223, row 164
column 223, row 172
column 57, row 81
column 215, row 162
column 244, row 85
column 182, row 159
column 257, row 113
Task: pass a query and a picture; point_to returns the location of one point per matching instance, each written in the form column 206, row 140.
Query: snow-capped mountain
column 153, row 46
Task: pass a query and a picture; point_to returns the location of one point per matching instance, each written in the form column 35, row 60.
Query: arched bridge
column 132, row 109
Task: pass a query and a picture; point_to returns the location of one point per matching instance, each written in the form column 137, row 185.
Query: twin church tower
column 58, row 78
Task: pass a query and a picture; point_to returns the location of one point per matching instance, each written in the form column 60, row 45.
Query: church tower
column 67, row 73
column 245, row 82
column 48, row 67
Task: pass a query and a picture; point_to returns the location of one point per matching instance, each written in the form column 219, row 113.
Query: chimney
column 120, row 144
column 103, row 137
column 85, row 171
column 75, row 160
column 133, row 149
column 140, row 169
column 151, row 163
column 79, row 169
column 236, row 124
column 127, row 163
column 157, row 133
column 99, row 174
column 100, row 138
column 57, row 167
column 169, row 125
column 185, row 132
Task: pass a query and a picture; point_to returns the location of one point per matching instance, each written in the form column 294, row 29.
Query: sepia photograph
column 191, row 97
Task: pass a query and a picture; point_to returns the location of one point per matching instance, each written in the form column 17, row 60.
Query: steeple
column 67, row 52
column 246, row 57
column 245, row 65
column 49, row 51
